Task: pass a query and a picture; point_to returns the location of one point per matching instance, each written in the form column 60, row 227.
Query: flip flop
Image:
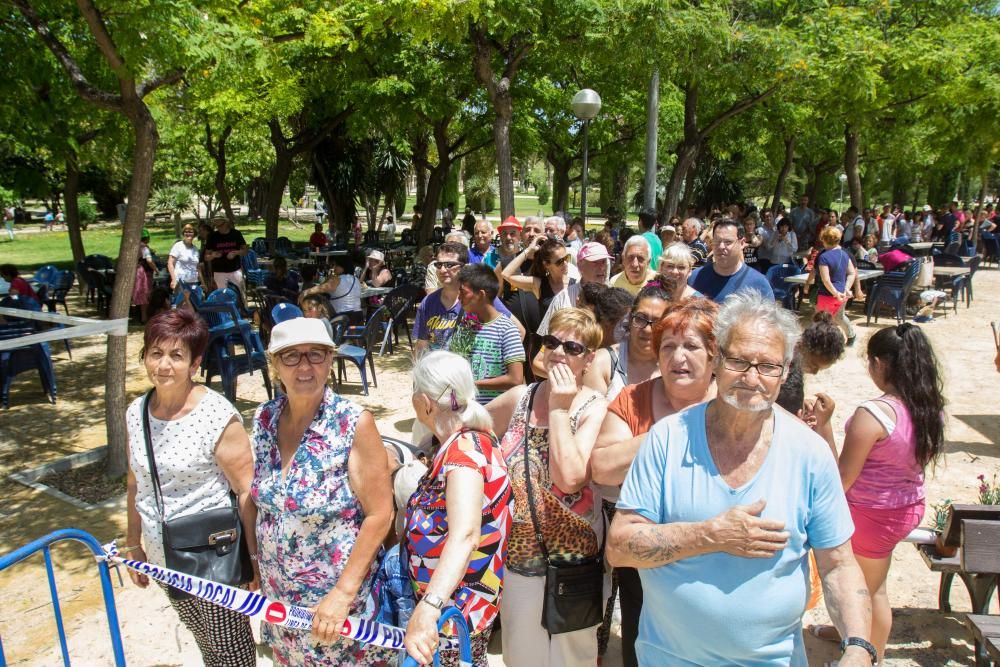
column 827, row 633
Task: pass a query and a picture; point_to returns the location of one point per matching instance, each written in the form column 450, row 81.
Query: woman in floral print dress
column 324, row 500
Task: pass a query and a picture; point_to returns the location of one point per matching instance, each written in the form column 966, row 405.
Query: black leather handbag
column 209, row 544
column 574, row 593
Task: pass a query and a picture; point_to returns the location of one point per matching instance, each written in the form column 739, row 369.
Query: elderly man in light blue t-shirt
column 721, row 507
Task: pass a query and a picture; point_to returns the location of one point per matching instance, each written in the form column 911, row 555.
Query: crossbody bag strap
column 527, row 477
column 149, row 454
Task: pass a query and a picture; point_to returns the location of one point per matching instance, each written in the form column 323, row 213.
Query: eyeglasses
column 641, row 321
column 292, row 358
column 562, row 260
column 570, row 347
column 742, row 366
column 188, row 232
column 447, row 266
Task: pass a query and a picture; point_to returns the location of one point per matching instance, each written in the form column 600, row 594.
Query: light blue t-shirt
column 719, row 609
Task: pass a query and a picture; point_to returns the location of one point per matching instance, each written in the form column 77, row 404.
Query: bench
column 986, row 632
column 975, row 531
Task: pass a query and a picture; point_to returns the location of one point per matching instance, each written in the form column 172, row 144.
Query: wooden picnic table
column 986, row 634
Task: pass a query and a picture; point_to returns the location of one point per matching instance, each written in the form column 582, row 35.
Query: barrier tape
column 260, row 607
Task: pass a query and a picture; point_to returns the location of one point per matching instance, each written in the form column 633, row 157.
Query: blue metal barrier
column 43, row 544
column 464, row 642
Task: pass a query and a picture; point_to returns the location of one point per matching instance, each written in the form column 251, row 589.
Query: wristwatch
column 863, row 643
column 433, row 600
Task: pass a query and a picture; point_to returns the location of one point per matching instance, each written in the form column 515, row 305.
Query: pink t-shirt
column 891, row 477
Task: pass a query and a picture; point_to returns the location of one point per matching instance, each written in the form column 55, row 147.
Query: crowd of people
column 626, row 413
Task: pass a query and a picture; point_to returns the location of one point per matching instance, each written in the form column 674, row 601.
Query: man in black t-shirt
column 225, row 249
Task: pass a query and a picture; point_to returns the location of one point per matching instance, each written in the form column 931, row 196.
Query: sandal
column 827, row 633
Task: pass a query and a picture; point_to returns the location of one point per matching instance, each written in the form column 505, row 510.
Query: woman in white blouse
column 182, row 264
column 202, row 454
column 782, row 245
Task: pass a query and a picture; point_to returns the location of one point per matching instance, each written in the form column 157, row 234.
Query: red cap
column 510, row 223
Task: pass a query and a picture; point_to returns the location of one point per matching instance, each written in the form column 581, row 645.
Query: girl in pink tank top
column 889, row 442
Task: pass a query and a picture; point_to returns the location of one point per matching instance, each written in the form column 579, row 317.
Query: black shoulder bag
column 574, row 594
column 208, row 544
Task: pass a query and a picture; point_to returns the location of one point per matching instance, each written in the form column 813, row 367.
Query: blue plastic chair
column 227, row 330
column 892, row 289
column 36, row 356
column 46, row 276
column 259, row 246
column 372, row 335
column 188, row 292
column 783, row 292
column 285, row 311
column 252, row 272
column 61, row 286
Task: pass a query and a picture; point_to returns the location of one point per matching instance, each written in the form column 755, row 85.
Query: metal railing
column 44, row 544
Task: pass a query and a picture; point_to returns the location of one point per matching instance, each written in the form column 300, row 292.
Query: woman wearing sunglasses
column 550, row 427
column 685, row 347
column 633, row 360
column 324, row 499
column 549, row 270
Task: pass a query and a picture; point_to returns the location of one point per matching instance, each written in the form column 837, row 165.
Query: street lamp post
column 843, row 179
column 586, row 106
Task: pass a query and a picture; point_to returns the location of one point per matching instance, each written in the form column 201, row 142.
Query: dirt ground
column 33, row 432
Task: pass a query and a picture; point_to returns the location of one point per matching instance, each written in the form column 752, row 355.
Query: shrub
column 87, row 212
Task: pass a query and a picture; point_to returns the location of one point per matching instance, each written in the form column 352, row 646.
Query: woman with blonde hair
column 549, row 432
column 673, row 271
column 459, row 518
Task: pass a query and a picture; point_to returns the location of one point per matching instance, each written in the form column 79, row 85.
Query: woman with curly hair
column 889, row 443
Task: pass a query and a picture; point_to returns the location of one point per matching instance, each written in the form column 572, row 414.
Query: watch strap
column 433, row 601
column 863, row 643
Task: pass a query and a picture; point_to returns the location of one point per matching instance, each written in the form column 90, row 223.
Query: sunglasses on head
column 570, row 347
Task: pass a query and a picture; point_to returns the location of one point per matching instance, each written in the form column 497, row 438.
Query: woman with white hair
column 459, row 518
column 675, row 267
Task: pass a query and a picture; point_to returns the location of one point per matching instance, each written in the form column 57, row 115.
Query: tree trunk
column 218, row 153
column 619, row 187
column 652, row 120
column 146, row 139
column 72, row 209
column 688, row 196
column 812, row 179
column 979, row 207
column 687, row 156
column 419, row 164
column 277, row 180
column 504, row 108
column 560, row 184
column 786, row 168
column 851, row 168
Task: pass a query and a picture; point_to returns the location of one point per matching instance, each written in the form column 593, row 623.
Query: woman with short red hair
column 685, row 348
column 202, row 455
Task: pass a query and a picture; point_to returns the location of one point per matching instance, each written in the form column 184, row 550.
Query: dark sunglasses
column 572, row 348
column 640, row 321
column 562, row 260
column 448, row 266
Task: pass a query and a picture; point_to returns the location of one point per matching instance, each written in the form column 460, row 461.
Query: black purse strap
column 149, row 454
column 527, row 477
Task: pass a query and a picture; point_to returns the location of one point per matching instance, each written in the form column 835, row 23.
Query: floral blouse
column 426, row 528
column 307, row 524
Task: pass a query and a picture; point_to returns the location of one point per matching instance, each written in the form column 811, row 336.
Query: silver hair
column 699, row 225
column 559, row 220
column 752, row 308
column 637, row 239
column 530, row 220
column 678, row 252
column 457, row 236
column 446, row 379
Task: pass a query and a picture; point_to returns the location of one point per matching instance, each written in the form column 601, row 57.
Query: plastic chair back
column 284, row 312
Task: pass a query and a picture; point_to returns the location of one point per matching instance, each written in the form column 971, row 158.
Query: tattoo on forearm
column 648, row 544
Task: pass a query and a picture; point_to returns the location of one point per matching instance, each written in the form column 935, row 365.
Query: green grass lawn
column 30, row 251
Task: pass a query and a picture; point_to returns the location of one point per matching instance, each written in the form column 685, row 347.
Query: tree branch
column 83, row 87
column 105, row 43
column 168, row 79
column 736, row 109
column 472, row 149
column 289, row 37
